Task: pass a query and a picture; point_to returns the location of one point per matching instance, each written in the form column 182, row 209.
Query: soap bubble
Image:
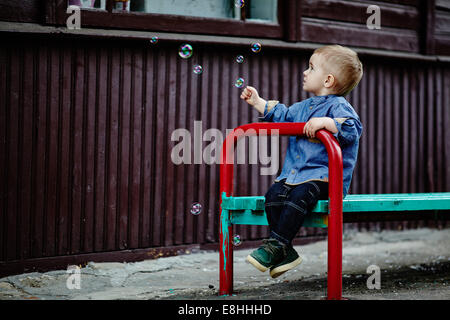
column 239, row 3
column 154, row 40
column 240, row 59
column 196, row 208
column 239, row 83
column 185, row 51
column 198, row 69
column 256, row 47
column 237, row 241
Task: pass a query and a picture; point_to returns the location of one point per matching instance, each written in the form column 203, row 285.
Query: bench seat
column 250, row 210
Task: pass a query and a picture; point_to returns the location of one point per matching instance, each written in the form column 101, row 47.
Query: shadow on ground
column 424, row 282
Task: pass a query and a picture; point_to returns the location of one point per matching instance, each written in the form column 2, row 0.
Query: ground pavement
column 412, row 264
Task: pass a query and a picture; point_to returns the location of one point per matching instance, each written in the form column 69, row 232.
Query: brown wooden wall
column 406, row 25
column 346, row 20
column 86, row 139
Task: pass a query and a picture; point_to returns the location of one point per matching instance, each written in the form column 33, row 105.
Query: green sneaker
column 267, row 255
column 291, row 261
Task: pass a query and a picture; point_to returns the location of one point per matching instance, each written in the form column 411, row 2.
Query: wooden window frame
column 287, row 27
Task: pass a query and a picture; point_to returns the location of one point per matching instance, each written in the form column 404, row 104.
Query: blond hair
column 345, row 66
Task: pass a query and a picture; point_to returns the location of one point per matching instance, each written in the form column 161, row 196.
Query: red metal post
column 335, row 220
column 335, row 200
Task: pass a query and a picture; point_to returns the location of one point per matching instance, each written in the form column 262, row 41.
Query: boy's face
column 315, row 76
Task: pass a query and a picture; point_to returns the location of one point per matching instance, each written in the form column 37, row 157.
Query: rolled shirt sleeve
column 348, row 124
column 278, row 112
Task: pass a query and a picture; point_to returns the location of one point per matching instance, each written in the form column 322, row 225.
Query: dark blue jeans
column 287, row 205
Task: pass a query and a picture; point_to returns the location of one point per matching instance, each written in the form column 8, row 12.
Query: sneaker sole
column 278, row 271
column 256, row 264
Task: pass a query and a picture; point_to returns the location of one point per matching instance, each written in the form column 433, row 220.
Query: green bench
column 250, row 210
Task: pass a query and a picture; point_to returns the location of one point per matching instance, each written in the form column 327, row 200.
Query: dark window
column 258, row 10
column 89, row 4
column 194, row 8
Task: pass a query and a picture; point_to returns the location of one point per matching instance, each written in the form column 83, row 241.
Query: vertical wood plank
column 380, row 132
column 413, row 139
column 4, row 79
column 112, row 106
column 214, row 104
column 438, row 131
column 406, row 105
column 421, row 133
column 159, row 109
column 148, row 147
column 171, row 197
column 76, row 149
column 40, row 132
column 430, row 113
column 124, row 148
column 100, row 147
column 27, row 107
column 53, row 159
column 181, row 123
column 396, row 125
column 136, row 132
column 14, row 155
column 66, row 106
column 445, row 99
column 203, row 109
column 89, row 150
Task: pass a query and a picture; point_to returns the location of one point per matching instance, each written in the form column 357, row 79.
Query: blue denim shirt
column 307, row 159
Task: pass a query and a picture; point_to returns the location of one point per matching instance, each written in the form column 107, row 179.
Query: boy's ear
column 330, row 81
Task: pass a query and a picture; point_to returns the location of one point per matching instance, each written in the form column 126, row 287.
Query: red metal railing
column 335, row 200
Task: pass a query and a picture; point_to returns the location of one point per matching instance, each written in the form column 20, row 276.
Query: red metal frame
column 335, row 195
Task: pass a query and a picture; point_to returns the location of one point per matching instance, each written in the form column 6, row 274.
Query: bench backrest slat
column 391, row 202
column 250, row 210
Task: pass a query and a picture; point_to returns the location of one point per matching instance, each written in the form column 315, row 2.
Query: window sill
column 38, row 29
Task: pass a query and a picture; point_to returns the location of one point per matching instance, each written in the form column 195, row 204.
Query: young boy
column 333, row 72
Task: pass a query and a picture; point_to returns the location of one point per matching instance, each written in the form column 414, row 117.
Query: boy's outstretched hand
column 251, row 96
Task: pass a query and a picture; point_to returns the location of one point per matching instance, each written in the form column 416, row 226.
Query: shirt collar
column 315, row 100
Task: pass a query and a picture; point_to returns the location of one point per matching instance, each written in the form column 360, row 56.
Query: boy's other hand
column 315, row 124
